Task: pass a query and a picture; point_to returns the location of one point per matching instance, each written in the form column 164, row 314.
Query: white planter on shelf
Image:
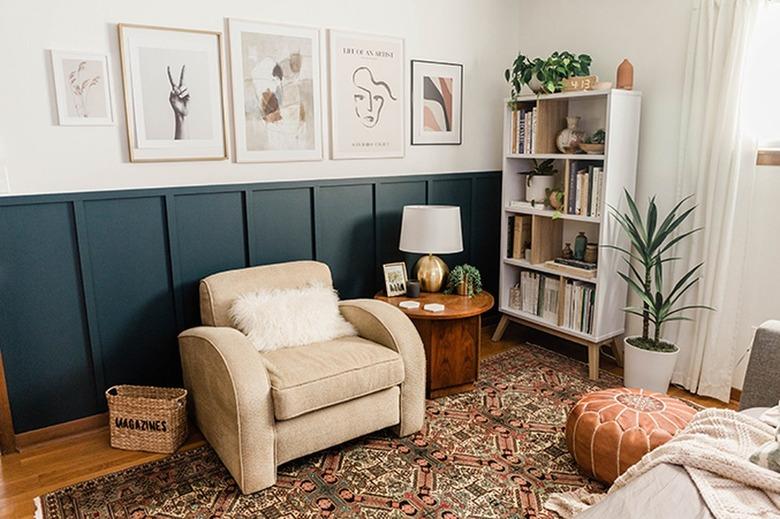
column 645, row 369
column 536, row 189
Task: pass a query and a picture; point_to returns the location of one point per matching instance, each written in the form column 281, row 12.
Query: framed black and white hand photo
column 437, row 102
column 173, row 93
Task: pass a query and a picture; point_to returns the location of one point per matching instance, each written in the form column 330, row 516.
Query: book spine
column 590, row 191
column 533, row 130
column 571, row 209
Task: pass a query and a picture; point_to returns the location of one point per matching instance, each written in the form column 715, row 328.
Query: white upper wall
column 41, row 157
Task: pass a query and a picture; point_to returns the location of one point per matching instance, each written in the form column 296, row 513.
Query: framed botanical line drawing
column 173, row 93
column 395, row 278
column 82, row 83
column 437, row 102
column 277, row 100
column 367, row 95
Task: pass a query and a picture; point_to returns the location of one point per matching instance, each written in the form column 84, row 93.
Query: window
column 763, row 86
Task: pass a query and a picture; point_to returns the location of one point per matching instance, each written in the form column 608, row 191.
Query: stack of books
column 583, row 189
column 578, row 301
column 539, row 295
column 523, row 131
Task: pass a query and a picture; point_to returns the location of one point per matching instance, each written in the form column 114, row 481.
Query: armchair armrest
column 384, row 324
column 231, row 397
column 762, row 378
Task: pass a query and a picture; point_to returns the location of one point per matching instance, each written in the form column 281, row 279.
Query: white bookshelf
column 618, row 112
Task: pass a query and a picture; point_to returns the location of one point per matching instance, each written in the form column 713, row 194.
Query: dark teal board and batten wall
column 94, row 287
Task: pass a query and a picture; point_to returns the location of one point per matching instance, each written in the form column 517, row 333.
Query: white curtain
column 716, row 165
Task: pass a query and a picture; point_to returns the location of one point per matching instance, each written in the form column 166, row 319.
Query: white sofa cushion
column 281, row 318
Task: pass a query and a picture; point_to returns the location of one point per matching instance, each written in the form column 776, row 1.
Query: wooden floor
column 41, row 468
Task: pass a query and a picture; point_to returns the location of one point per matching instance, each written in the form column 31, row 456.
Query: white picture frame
column 276, row 85
column 395, row 278
column 437, row 103
column 82, row 85
column 366, row 95
column 174, row 97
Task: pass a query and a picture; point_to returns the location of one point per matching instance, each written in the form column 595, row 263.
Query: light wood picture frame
column 82, row 84
column 395, row 278
column 174, row 95
column 276, row 86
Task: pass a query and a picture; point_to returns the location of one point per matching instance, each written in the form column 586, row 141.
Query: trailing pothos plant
column 550, row 72
column 652, row 240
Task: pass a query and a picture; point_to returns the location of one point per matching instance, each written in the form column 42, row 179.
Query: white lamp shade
column 431, row 229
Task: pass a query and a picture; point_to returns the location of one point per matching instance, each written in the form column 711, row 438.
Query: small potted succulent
column 464, row 280
column 539, row 181
column 594, row 144
column 650, row 359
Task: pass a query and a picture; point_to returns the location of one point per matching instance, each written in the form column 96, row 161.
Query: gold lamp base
column 432, row 272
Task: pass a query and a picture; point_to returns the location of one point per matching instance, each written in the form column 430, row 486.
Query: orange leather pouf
column 608, row 431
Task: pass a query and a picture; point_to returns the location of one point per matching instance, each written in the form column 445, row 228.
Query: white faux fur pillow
column 280, row 318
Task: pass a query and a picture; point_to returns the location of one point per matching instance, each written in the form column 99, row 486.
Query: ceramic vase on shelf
column 569, row 139
column 580, row 244
column 625, row 75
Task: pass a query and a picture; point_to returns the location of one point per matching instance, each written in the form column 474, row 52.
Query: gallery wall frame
column 276, row 86
column 436, row 103
column 82, row 86
column 366, row 80
column 176, row 128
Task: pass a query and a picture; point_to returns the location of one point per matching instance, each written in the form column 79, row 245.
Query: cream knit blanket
column 714, row 449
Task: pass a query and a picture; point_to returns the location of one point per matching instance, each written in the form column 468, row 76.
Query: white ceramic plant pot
column 647, row 369
column 537, row 190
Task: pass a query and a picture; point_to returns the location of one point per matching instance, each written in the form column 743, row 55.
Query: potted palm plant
column 650, row 359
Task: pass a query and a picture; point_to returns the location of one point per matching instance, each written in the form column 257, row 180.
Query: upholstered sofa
column 261, row 409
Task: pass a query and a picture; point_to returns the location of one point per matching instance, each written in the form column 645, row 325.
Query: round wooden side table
column 451, row 338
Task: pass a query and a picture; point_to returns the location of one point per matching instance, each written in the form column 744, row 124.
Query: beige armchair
column 261, row 409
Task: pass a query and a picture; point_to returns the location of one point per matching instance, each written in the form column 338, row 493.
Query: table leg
column 593, row 361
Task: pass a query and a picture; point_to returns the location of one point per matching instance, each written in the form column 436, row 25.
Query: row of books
column 583, row 189
column 523, row 131
column 519, row 236
column 538, row 295
column 578, row 303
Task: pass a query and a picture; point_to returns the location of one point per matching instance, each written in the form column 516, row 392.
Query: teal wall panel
column 345, row 237
column 43, row 332
column 282, row 224
column 131, row 279
column 209, row 237
column 115, row 273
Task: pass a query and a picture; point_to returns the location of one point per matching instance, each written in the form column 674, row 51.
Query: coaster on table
column 409, row 304
column 434, row 307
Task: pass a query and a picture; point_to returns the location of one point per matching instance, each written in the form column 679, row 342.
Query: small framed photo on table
column 395, row 278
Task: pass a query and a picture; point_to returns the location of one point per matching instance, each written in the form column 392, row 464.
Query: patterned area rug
column 495, row 452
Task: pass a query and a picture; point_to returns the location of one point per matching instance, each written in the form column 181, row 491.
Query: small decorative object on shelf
column 594, row 144
column 465, row 280
column 625, row 75
column 591, row 253
column 578, row 83
column 580, row 244
column 515, row 297
column 555, row 199
column 412, row 288
column 539, row 180
column 569, row 139
column 567, row 253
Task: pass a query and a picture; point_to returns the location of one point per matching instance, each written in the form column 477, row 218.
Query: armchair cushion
column 307, row 378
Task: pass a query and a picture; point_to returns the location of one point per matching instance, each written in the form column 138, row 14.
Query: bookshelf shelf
column 555, row 156
column 617, row 112
column 548, row 270
column 549, row 213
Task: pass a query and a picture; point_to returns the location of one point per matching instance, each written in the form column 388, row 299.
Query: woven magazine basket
column 143, row 418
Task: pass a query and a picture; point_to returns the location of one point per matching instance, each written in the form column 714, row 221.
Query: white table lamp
column 431, row 229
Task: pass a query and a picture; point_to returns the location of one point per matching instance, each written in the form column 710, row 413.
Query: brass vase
column 432, row 272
